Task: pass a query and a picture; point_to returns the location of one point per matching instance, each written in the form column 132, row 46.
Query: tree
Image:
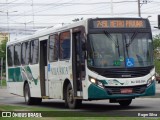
column 156, row 41
column 3, row 51
column 156, row 46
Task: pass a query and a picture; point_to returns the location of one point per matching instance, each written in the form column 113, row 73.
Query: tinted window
column 17, row 54
column 10, row 55
column 65, row 45
column 25, row 53
column 53, row 48
column 23, row 56
column 34, row 51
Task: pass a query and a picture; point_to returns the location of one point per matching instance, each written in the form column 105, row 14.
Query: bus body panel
column 34, row 80
column 55, row 84
column 95, row 93
column 15, row 80
column 116, row 84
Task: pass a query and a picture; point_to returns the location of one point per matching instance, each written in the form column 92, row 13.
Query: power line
column 47, row 4
column 83, row 14
column 60, row 5
column 55, row 6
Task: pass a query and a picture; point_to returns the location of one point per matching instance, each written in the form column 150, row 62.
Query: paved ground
column 4, row 91
column 7, row 98
column 138, row 104
column 100, row 107
column 158, row 88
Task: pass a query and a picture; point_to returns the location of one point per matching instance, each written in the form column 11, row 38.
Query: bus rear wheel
column 27, row 95
column 125, row 103
column 70, row 101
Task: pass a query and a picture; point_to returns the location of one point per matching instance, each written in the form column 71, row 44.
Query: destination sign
column 119, row 24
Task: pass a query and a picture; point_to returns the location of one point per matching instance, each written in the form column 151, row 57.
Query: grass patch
column 81, row 118
column 90, row 115
column 23, row 108
column 3, row 83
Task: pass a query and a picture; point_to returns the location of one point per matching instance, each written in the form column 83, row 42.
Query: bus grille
column 126, row 72
column 117, row 90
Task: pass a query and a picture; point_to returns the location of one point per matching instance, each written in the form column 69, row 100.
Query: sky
column 24, row 17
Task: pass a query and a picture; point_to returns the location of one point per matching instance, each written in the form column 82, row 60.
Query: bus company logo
column 6, row 114
column 114, row 82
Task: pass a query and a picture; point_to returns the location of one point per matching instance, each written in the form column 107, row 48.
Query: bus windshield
column 117, row 50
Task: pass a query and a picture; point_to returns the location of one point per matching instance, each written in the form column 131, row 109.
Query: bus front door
column 43, row 66
column 78, row 63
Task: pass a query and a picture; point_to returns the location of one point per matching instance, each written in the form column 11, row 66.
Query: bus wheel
column 37, row 101
column 125, row 103
column 27, row 96
column 70, row 101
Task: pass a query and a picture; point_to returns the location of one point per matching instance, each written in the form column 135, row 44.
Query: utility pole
column 139, row 8
column 112, row 7
column 7, row 14
column 33, row 14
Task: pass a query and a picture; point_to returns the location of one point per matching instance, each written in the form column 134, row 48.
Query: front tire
column 69, row 100
column 125, row 103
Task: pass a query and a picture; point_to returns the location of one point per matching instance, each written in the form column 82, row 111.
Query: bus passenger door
column 43, row 67
column 78, row 62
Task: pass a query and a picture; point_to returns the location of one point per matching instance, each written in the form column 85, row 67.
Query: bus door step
column 45, row 97
column 78, row 97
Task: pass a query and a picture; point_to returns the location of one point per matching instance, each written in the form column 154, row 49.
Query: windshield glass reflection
column 115, row 50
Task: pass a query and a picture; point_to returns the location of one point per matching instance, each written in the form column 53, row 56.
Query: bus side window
column 65, row 45
column 25, row 53
column 34, row 48
column 53, row 48
column 10, row 55
column 17, row 54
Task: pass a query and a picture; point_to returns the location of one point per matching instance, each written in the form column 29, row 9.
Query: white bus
column 94, row 59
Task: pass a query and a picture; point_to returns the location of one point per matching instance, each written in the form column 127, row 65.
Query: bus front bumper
column 97, row 93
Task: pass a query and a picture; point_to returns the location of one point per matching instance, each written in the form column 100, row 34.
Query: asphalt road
column 138, row 104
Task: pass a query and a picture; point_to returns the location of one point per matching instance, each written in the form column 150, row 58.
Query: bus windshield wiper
column 132, row 39
column 111, row 38
column 130, row 42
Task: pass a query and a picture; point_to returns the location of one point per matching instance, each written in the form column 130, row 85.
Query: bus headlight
column 150, row 80
column 153, row 77
column 93, row 80
column 96, row 82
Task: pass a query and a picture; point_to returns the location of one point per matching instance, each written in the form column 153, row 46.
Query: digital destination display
column 119, row 23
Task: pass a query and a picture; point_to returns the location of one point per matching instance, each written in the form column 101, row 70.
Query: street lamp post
column 7, row 14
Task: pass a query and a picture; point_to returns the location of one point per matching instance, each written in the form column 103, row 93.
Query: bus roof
column 52, row 30
column 48, row 31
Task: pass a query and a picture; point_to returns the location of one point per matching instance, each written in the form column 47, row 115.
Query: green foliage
column 3, row 49
column 156, row 41
column 3, row 82
column 156, row 46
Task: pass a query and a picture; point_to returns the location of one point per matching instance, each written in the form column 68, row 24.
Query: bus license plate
column 126, row 90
